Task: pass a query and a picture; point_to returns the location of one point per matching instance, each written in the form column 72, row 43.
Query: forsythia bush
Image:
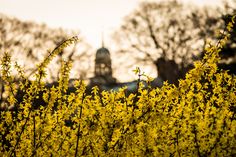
column 195, row 118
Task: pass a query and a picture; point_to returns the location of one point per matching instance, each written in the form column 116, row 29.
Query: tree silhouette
column 28, row 42
column 167, row 34
column 228, row 53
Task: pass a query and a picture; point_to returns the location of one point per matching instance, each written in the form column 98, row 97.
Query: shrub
column 195, row 118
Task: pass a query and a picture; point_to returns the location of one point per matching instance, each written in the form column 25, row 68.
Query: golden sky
column 91, row 17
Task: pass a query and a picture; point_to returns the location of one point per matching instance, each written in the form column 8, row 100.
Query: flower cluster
column 195, row 118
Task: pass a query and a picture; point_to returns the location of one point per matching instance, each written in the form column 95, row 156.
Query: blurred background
column 162, row 37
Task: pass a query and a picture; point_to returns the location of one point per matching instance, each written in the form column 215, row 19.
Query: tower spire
column 102, row 39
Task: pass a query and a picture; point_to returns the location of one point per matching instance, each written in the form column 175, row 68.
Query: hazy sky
column 88, row 16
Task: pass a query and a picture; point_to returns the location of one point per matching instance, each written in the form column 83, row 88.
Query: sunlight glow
column 90, row 17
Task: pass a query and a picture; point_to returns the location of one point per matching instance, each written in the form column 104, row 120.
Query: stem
column 30, row 110
column 40, row 143
column 177, row 143
column 78, row 133
column 196, row 141
column 77, row 142
column 136, row 96
column 34, row 132
column 22, row 130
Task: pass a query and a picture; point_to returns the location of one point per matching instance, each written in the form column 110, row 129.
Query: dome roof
column 102, row 53
column 103, row 50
